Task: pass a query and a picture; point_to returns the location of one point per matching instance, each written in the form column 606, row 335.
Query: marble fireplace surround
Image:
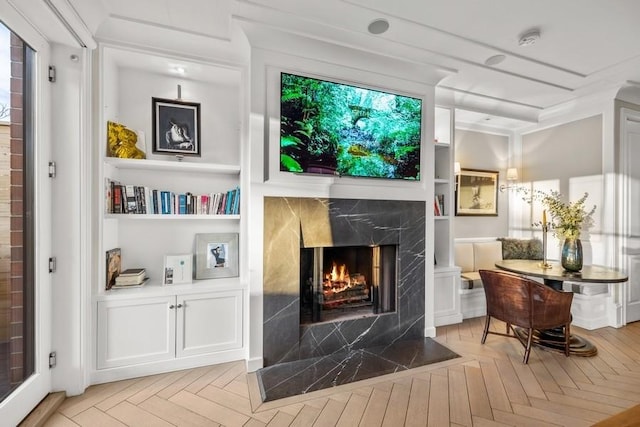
column 290, row 222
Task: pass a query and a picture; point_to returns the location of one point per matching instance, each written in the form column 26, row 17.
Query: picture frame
column 178, row 269
column 176, row 127
column 216, row 255
column 477, row 193
column 113, row 267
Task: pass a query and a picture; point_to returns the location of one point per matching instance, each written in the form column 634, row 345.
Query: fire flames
column 341, row 287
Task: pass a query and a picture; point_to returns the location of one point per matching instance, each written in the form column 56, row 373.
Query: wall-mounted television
column 340, row 129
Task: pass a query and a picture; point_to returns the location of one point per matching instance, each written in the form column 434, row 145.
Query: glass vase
column 571, row 259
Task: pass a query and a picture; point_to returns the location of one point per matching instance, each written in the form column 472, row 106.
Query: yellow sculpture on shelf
column 122, row 142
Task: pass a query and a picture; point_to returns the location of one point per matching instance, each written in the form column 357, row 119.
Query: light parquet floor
column 488, row 386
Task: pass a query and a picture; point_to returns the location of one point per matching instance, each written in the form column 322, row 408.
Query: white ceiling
column 586, row 46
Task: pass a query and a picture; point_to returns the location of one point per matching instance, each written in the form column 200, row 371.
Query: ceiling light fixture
column 378, row 26
column 180, row 70
column 529, row 38
column 494, row 60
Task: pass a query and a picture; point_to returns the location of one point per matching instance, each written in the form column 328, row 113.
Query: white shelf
column 173, row 217
column 440, row 181
column 175, row 166
column 440, row 217
column 155, row 288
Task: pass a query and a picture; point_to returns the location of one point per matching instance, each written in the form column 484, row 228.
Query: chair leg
column 567, row 339
column 527, row 349
column 486, row 328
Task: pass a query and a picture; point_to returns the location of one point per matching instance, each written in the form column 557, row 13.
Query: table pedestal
column 553, row 339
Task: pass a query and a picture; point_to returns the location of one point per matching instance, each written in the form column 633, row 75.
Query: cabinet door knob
column 179, row 306
column 171, row 307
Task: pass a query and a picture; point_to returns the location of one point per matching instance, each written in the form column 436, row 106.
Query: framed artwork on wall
column 176, row 127
column 216, row 255
column 477, row 193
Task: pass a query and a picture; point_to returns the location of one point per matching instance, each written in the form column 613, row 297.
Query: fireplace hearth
column 338, row 283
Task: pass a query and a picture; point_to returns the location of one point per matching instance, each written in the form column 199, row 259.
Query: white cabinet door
column 208, row 323
column 446, row 283
column 136, row 331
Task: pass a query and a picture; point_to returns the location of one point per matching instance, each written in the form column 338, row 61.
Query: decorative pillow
column 521, row 248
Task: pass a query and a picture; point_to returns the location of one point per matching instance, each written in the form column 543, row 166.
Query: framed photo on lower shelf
column 216, row 255
column 178, row 269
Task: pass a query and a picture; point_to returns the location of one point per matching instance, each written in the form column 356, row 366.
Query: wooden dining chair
column 527, row 304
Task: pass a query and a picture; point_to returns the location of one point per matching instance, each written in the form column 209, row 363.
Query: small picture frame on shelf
column 176, row 127
column 113, row 265
column 178, row 269
column 477, row 193
column 216, row 255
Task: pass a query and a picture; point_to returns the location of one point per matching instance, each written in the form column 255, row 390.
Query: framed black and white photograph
column 178, row 269
column 176, row 127
column 216, row 255
column 477, row 193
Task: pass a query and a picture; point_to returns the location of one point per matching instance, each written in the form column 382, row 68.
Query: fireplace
column 339, row 283
column 380, row 241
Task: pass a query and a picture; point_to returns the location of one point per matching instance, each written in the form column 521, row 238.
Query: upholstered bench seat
column 472, row 256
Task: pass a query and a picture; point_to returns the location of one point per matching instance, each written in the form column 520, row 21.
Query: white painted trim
column 22, row 400
column 475, row 239
column 132, row 371
column 451, row 319
column 254, row 364
column 430, row 332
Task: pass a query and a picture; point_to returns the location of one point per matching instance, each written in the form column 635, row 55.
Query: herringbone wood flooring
column 487, row 386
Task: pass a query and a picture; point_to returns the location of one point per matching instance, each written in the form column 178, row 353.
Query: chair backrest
column 523, row 302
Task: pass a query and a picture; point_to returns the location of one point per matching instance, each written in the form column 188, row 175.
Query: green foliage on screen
column 333, row 128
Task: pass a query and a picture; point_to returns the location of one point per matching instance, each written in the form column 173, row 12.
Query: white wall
column 479, row 150
column 567, row 158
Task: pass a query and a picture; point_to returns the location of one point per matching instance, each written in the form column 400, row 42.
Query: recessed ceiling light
column 494, row 60
column 529, row 38
column 378, row 26
column 180, row 70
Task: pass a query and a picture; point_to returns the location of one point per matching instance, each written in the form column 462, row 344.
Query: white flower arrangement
column 567, row 219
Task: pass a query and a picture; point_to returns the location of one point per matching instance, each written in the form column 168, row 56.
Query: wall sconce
column 512, row 176
column 456, row 168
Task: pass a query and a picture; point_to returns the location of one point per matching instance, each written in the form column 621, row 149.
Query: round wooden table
column 554, row 276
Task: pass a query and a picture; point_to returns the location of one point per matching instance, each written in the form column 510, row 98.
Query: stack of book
column 130, row 278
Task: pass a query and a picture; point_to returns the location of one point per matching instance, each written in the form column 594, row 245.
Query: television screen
column 339, row 129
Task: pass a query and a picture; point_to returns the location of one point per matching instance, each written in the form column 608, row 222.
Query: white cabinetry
column 446, row 275
column 446, row 285
column 158, row 328
column 148, row 329
column 208, row 323
column 135, row 331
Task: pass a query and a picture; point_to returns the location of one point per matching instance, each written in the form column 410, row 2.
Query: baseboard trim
column 254, row 364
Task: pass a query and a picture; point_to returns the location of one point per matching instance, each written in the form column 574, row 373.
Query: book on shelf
column 131, row 199
column 108, row 196
column 132, row 272
column 440, row 198
column 112, row 269
column 131, row 276
column 124, row 285
column 135, row 199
